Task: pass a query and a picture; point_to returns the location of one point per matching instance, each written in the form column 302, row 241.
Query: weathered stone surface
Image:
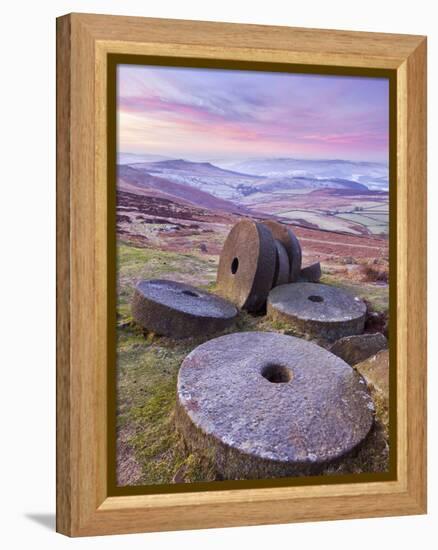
column 178, row 310
column 311, row 273
column 357, row 348
column 247, row 265
column 262, row 404
column 375, row 370
column 317, row 310
column 288, row 239
column 281, row 274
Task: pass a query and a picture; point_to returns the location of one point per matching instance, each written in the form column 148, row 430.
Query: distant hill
column 181, row 165
column 372, row 174
column 300, row 182
column 223, row 184
column 322, row 198
column 129, row 158
column 267, row 176
column 133, row 178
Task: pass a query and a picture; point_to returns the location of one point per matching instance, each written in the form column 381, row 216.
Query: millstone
column 178, row 310
column 264, row 404
column 286, row 236
column 247, row 264
column 311, row 273
column 317, row 310
column 281, row 274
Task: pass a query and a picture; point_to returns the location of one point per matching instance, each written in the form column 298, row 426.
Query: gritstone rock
column 354, row 349
column 311, row 273
column 263, row 404
column 317, row 310
column 178, row 310
column 288, row 239
column 375, row 370
column 281, row 274
column 247, row 265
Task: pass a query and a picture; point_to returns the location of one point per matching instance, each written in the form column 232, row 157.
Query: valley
column 332, row 196
column 172, row 220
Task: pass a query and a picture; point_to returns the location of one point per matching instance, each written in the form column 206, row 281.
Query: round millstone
column 178, row 310
column 247, row 264
column 281, row 274
column 317, row 310
column 263, row 404
column 288, row 239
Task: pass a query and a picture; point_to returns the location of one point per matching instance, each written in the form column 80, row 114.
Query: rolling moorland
column 173, row 216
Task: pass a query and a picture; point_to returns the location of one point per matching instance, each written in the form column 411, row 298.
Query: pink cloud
column 260, row 112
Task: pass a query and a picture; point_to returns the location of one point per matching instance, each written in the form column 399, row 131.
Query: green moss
column 199, row 468
column 147, row 370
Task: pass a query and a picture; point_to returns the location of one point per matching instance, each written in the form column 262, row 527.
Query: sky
column 207, row 114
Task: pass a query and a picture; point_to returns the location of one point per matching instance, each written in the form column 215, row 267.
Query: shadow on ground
column 46, row 520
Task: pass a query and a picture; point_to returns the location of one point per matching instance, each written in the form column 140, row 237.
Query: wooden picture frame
column 84, row 505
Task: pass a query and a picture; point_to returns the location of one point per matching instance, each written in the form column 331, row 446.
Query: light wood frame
column 83, row 504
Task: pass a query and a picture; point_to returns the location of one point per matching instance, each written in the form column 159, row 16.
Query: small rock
column 357, row 348
column 375, row 370
column 180, row 474
column 376, row 321
column 311, row 273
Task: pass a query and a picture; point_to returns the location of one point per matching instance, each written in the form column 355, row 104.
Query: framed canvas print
column 241, row 229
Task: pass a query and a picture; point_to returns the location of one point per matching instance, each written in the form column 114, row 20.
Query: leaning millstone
column 247, row 265
column 288, row 239
column 281, row 274
column 311, row 273
column 178, row 310
column 263, row 404
column 317, row 310
column 357, row 348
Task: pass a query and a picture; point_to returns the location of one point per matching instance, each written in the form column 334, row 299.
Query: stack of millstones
column 257, row 257
column 259, row 267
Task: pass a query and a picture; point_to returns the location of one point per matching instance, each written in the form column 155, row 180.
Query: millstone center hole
column 234, row 266
column 277, row 374
column 190, row 293
column 315, row 298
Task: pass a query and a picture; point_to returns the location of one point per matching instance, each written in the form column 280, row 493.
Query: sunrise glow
column 207, row 114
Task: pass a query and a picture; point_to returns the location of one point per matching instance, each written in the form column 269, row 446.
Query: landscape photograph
column 252, row 257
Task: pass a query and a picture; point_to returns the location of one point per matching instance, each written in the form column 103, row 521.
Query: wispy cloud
column 206, row 113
